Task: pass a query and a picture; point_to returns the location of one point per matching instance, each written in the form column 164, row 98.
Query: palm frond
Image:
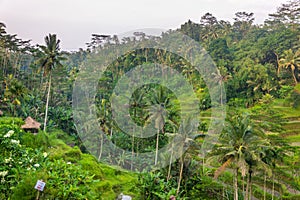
column 223, row 167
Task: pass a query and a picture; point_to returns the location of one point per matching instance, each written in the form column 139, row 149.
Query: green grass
column 292, row 126
column 112, row 180
column 293, row 138
column 284, row 107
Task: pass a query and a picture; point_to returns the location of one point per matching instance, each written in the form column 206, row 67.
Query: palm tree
column 220, row 78
column 226, row 28
column 159, row 110
column 51, row 58
column 104, row 123
column 137, row 106
column 171, row 152
column 256, row 160
column 238, row 142
column 158, row 115
column 186, row 132
column 290, row 60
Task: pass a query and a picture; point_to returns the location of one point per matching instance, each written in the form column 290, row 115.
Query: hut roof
column 31, row 124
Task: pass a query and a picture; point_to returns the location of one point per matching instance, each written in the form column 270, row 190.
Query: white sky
column 75, row 20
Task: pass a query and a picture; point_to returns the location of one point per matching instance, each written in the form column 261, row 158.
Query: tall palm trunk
column 170, row 165
column 221, row 97
column 278, row 63
column 247, row 188
column 180, row 175
column 156, row 148
column 273, row 186
column 265, row 180
column 132, row 151
column 243, row 184
column 101, row 147
column 250, row 185
column 294, row 77
column 47, row 102
column 236, row 192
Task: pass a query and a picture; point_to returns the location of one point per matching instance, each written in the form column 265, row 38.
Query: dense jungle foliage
column 256, row 155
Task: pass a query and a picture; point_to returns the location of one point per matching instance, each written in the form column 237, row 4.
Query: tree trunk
column 47, row 102
column 203, row 160
column 221, row 94
column 101, row 147
column 180, row 175
column 243, row 184
column 278, row 64
column 247, row 187
column 236, row 192
column 170, row 165
column 265, row 179
column 250, row 185
column 294, row 77
column 156, row 149
column 132, row 152
column 273, row 187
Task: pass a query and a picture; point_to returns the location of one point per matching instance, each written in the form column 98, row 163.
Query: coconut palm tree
column 220, row 78
column 226, row 28
column 158, row 115
column 161, row 111
column 50, row 59
column 137, row 105
column 187, row 131
column 238, row 143
column 256, row 158
column 290, row 60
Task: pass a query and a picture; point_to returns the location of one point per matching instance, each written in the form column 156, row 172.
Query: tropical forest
column 210, row 110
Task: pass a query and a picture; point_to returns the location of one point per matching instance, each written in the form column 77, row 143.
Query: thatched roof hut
column 31, row 125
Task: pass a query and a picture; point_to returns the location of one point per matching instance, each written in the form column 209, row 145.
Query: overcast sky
column 75, row 20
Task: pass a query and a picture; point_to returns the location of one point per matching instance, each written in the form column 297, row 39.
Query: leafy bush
column 153, row 186
column 207, row 188
column 285, row 91
column 15, row 158
column 64, row 180
column 296, row 96
column 39, row 141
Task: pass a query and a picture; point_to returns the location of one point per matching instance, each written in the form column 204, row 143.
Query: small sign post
column 39, row 186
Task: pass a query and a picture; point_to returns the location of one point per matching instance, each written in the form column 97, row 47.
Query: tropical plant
column 238, row 144
column 15, row 158
column 290, row 60
column 49, row 60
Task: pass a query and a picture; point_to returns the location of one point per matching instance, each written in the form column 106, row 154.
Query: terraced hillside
column 290, row 109
column 283, row 181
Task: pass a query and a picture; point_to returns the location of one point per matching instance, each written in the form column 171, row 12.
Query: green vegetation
column 257, row 154
column 68, row 172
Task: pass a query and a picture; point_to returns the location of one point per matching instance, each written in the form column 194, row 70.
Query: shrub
column 154, row 186
column 64, row 180
column 296, row 97
column 15, row 158
column 39, row 141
